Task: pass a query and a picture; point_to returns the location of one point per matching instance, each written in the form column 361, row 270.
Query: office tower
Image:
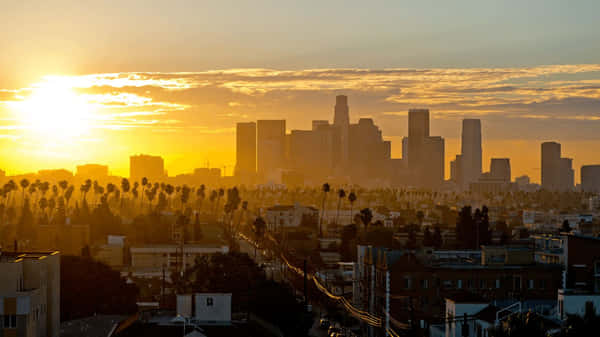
column 566, row 174
column 368, row 150
column 455, row 169
column 500, row 169
column 270, row 148
column 341, row 120
column 405, row 149
column 418, row 130
column 433, row 171
column 590, row 178
column 470, row 151
column 145, row 166
column 245, row 155
column 551, row 166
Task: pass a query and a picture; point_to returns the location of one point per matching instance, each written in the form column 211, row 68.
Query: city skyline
column 396, row 149
column 130, row 81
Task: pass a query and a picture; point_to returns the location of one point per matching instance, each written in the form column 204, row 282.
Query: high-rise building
column 433, row 170
column 590, row 178
column 425, row 154
column 418, row 130
column 566, row 174
column 550, row 165
column 245, row 155
column 146, row 166
column 470, row 151
column 341, row 120
column 500, row 169
column 30, row 294
column 270, row 149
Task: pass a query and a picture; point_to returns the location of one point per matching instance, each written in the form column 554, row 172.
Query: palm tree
column 220, row 195
column 325, row 189
column 341, row 195
column 144, row 183
column 351, row 199
column 200, row 195
column 213, row 196
column 63, row 184
column 125, row 188
column 258, row 228
column 24, row 183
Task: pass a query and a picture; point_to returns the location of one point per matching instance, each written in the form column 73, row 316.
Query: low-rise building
column 151, row 259
column 280, row 216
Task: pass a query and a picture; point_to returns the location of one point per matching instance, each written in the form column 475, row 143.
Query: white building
column 214, row 308
column 288, row 215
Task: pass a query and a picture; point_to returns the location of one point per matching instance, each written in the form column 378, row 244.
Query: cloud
column 216, row 99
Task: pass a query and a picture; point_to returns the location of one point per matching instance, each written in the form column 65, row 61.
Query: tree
column 566, row 227
column 365, row 216
column 24, row 183
column 351, row 199
column 341, row 196
column 326, row 188
column 258, row 228
column 89, row 287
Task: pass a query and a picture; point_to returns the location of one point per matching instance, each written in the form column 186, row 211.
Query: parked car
column 324, row 323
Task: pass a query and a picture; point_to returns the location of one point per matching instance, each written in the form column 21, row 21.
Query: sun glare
column 54, row 111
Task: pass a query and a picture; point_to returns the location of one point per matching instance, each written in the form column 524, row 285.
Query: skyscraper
column 341, row 120
column 590, row 178
column 470, row 151
column 557, row 172
column 425, row 154
column 500, row 169
column 418, row 129
column 245, row 155
column 270, row 148
column 551, row 166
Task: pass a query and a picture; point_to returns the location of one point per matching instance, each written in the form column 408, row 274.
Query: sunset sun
column 53, row 110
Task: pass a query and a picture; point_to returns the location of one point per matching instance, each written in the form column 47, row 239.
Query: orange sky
column 189, row 118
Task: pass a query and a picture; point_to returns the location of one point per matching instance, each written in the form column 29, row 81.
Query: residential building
column 280, row 216
column 30, row 294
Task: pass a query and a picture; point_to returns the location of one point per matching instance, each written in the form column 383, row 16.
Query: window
column 497, row 284
column 424, row 284
column 597, row 267
column 209, row 301
column 459, row 284
column 10, row 321
column 482, row 284
column 542, row 284
column 517, row 283
column 469, row 284
column 407, row 283
column 531, row 284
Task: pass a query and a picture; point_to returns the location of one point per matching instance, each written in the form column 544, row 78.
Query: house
column 279, row 216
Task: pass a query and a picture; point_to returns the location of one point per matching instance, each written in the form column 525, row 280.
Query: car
column 324, row 323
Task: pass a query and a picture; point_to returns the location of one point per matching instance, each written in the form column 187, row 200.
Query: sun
column 54, row 110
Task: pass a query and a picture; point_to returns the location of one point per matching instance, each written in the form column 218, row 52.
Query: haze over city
column 279, row 168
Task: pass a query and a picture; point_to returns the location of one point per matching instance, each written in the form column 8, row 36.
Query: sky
column 89, row 81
